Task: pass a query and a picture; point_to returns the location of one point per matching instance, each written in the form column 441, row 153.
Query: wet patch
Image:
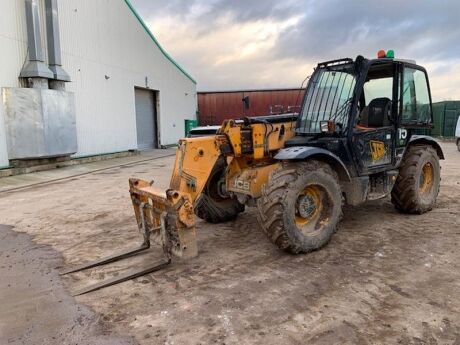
column 35, row 306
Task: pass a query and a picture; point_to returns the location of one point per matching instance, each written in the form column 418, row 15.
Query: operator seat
column 376, row 114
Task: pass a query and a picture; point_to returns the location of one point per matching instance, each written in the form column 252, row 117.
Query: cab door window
column 416, row 106
column 378, row 88
column 376, row 103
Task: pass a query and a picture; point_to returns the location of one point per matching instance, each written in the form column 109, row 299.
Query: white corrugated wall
column 3, row 151
column 13, row 49
column 102, row 38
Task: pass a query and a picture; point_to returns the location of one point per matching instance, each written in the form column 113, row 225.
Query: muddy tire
column 417, row 185
column 300, row 206
column 214, row 205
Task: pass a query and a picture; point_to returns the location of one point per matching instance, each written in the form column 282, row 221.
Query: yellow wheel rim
column 310, row 210
column 426, row 178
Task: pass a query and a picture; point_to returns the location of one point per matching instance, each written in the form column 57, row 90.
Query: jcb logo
column 241, row 184
column 377, row 149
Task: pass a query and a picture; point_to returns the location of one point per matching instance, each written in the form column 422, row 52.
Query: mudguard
column 427, row 140
column 304, row 152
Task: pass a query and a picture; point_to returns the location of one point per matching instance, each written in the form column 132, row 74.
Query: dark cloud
column 241, row 10
column 156, row 8
column 414, row 29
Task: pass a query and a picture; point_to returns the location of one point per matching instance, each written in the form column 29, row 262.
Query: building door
column 146, row 119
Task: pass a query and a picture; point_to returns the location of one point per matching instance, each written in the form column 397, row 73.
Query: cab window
column 415, row 97
column 376, row 102
column 376, row 88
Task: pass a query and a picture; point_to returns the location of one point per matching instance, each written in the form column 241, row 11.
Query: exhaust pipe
column 54, row 45
column 35, row 68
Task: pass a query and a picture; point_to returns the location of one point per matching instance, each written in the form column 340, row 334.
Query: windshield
column 329, row 96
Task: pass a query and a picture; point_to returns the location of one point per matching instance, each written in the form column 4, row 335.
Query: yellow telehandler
column 355, row 139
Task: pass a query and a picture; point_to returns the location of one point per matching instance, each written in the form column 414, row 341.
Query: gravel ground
column 385, row 278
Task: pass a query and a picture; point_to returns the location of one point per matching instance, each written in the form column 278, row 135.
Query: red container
column 215, row 107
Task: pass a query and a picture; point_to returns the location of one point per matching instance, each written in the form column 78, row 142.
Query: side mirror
column 246, row 102
column 390, row 115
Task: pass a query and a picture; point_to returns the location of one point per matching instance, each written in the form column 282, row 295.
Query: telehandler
column 353, row 140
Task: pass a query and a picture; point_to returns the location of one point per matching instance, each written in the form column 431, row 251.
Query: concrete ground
column 385, row 278
column 44, row 177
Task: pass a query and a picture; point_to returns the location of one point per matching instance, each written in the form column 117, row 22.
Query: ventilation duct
column 35, row 68
column 54, row 41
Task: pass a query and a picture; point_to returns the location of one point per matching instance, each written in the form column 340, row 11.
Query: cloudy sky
column 236, row 44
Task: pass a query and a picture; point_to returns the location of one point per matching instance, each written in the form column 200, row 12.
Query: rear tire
column 458, row 145
column 214, row 205
column 300, row 206
column 417, row 185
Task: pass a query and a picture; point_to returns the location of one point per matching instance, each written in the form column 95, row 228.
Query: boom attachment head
column 176, row 208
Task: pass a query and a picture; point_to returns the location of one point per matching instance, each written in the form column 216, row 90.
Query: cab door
column 374, row 134
column 415, row 108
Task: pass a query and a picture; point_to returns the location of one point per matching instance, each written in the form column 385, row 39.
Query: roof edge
column 147, row 30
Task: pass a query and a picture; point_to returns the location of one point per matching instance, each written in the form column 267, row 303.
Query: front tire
column 300, row 206
column 215, row 205
column 417, row 185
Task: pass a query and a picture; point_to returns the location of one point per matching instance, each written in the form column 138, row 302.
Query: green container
column 189, row 124
column 445, row 115
column 423, row 131
column 438, row 118
column 451, row 114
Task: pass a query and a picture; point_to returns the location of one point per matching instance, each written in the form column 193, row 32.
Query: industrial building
column 216, row 106
column 86, row 77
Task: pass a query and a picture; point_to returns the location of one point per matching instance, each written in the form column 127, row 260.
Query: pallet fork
column 167, row 217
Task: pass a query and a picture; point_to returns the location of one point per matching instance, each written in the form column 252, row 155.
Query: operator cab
column 368, row 106
column 394, row 98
